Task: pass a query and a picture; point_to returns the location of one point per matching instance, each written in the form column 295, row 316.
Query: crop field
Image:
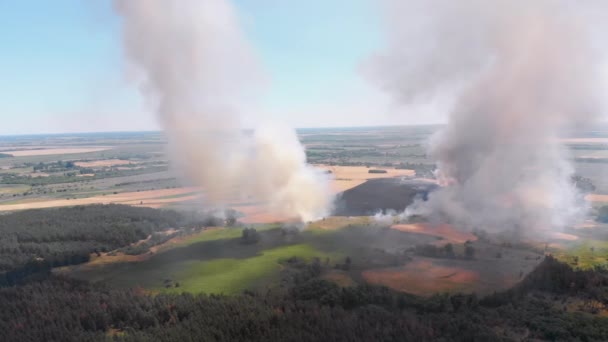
column 151, row 198
column 53, row 151
column 347, row 177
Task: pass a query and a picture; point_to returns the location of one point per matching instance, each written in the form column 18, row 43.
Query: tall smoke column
column 519, row 71
column 197, row 71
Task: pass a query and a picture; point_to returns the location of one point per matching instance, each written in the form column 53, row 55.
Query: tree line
column 308, row 309
column 34, row 241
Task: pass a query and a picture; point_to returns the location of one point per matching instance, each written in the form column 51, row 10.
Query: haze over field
column 517, row 72
column 197, row 70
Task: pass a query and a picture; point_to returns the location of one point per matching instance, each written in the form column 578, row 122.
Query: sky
column 62, row 65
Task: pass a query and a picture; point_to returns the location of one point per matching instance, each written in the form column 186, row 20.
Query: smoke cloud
column 199, row 73
column 518, row 72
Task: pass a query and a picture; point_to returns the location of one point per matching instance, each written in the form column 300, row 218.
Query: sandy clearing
column 150, row 198
column 445, row 231
column 51, row 151
column 106, row 162
column 347, row 177
column 423, row 277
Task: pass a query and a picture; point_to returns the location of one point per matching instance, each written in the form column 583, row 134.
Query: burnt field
column 384, row 194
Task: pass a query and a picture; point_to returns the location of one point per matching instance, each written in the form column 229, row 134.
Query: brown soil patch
column 443, row 230
column 151, row 198
column 106, row 162
column 347, row 177
column 423, row 277
column 50, row 151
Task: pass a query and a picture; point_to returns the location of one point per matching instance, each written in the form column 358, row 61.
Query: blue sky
column 62, row 70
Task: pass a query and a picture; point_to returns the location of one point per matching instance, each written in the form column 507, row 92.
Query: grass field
column 211, row 261
column 218, row 233
column 229, row 276
column 9, row 189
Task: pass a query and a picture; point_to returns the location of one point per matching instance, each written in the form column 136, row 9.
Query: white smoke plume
column 199, row 73
column 385, row 217
column 519, row 72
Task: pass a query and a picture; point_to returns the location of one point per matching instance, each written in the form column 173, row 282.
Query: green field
column 219, row 234
column 212, row 261
column 229, row 276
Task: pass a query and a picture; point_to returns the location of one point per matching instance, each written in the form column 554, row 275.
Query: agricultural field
column 416, row 257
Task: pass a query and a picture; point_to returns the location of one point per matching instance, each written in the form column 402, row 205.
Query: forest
column 306, row 308
column 554, row 302
column 34, row 241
